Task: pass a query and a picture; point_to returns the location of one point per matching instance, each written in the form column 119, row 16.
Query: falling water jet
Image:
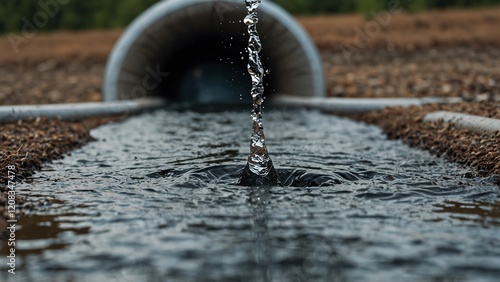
column 259, row 169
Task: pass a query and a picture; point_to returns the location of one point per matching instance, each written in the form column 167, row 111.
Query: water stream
column 154, row 199
column 259, row 169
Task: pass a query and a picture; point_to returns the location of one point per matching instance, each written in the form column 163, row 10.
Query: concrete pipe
column 194, row 50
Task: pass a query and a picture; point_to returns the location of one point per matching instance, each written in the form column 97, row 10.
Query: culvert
column 193, row 50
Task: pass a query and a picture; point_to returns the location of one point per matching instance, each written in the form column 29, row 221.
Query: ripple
column 353, row 206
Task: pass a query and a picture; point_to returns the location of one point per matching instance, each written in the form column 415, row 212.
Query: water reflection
column 38, row 236
column 40, row 233
column 258, row 198
column 484, row 213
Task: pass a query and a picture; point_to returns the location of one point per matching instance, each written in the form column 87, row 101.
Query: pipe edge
column 478, row 124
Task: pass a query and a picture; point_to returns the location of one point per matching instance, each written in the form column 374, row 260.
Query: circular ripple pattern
column 154, row 199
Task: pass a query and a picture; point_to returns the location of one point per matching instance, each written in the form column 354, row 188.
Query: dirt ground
column 436, row 53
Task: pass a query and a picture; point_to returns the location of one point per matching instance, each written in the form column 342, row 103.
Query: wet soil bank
column 27, row 145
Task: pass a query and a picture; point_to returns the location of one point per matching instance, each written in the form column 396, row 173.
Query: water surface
column 154, row 199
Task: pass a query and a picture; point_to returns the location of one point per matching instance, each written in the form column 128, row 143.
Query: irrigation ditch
column 189, row 157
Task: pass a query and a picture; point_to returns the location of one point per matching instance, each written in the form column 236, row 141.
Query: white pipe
column 78, row 110
column 176, row 49
column 478, row 124
column 357, row 105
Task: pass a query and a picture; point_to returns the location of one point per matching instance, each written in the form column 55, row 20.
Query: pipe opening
column 212, row 69
column 195, row 51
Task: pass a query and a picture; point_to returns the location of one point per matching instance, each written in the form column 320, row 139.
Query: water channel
column 154, row 198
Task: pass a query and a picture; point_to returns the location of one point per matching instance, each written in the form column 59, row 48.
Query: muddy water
column 154, row 199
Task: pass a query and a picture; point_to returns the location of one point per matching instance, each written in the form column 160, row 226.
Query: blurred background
column 57, row 53
column 106, row 14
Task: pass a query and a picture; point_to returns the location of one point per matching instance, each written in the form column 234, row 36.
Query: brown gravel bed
column 457, row 71
column 51, row 81
column 408, row 31
column 60, row 67
column 435, row 53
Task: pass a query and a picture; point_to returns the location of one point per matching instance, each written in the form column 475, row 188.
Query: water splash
column 259, row 169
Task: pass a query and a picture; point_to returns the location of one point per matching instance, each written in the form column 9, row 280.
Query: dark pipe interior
column 206, row 60
column 209, row 61
column 212, row 69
